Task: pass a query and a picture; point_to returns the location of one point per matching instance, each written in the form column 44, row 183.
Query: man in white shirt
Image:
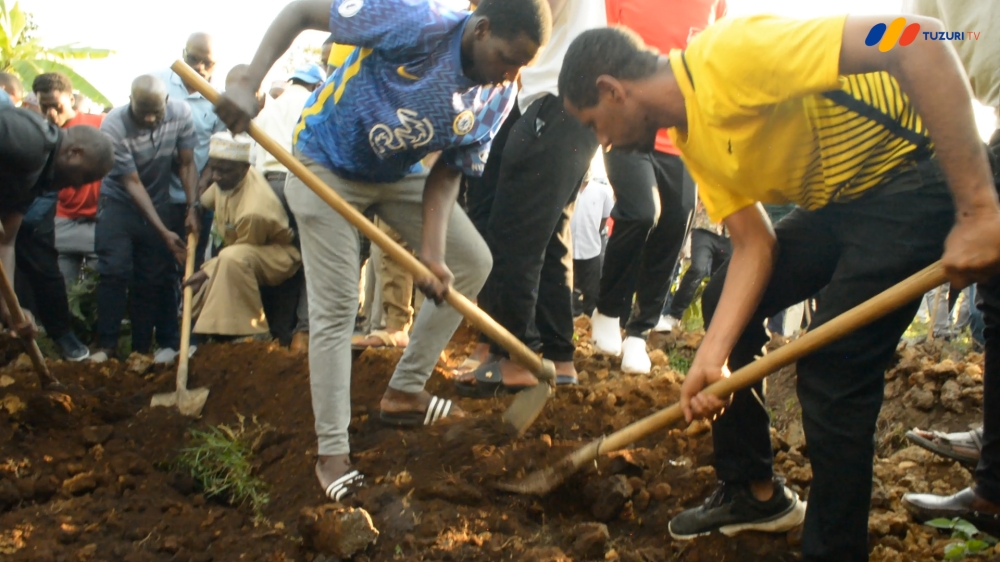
column 593, row 207
column 278, row 119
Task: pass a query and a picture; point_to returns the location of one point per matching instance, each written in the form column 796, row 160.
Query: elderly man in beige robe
column 256, row 244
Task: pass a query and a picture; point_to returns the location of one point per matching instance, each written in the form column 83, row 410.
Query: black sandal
column 488, row 383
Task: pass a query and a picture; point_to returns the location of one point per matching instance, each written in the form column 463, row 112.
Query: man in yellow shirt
column 867, row 143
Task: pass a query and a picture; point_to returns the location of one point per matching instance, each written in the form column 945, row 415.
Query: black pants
column 131, row 257
column 708, row 252
column 988, row 296
column 586, row 285
column 542, row 161
column 648, row 235
column 38, row 282
column 847, row 253
column 283, row 303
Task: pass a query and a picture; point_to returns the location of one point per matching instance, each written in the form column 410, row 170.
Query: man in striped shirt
column 136, row 249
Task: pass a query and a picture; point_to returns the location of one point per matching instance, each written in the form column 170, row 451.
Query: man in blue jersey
column 422, row 79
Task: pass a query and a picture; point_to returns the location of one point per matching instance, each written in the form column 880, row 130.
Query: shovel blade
column 188, row 402
column 191, row 402
column 165, row 400
column 526, row 407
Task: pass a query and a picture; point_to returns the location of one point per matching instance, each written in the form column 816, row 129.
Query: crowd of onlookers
column 176, row 172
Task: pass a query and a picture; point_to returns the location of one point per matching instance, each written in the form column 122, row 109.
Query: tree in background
column 21, row 53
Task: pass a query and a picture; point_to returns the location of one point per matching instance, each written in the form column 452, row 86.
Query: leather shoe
column 966, row 504
column 300, row 343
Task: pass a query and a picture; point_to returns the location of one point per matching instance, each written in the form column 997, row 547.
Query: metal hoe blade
column 528, row 404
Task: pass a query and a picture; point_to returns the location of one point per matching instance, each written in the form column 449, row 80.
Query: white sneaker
column 164, row 356
column 635, row 360
column 667, row 323
column 99, row 357
column 606, row 334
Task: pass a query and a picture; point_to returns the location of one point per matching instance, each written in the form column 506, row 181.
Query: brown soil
column 87, row 475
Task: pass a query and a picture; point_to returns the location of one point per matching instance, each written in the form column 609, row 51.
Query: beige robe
column 257, row 250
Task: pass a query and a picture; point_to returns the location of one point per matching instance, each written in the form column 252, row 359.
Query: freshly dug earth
column 89, row 475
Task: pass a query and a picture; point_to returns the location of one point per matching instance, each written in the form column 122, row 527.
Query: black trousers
column 38, row 282
column 708, row 252
column 586, row 285
column 988, row 472
column 654, row 197
column 131, row 257
column 847, row 253
column 542, row 161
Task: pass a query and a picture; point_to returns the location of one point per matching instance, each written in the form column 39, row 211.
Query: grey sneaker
column 732, row 509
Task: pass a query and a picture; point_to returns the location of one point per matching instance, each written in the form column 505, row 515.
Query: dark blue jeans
column 132, row 258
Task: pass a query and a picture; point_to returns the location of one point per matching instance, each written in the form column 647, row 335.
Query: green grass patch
column 679, row 362
column 220, row 459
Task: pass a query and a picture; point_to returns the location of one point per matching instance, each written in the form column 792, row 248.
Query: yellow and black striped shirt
column 771, row 120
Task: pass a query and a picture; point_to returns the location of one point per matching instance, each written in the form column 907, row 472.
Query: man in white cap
column 278, row 119
column 256, row 241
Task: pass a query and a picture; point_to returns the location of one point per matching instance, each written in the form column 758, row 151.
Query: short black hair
column 11, row 83
column 617, row 51
column 52, row 81
column 98, row 145
column 510, row 18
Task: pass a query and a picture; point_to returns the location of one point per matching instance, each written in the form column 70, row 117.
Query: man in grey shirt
column 136, row 248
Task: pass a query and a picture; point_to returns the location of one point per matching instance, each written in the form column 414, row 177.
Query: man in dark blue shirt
column 422, row 78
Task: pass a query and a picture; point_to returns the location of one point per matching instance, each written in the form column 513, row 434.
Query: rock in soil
column 97, row 434
column 337, row 531
column 590, row 540
column 609, row 496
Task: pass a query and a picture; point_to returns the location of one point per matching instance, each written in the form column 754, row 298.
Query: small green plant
column 219, row 459
column 679, row 362
column 967, row 543
column 82, row 298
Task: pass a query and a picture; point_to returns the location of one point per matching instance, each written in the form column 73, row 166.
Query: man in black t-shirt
column 36, row 157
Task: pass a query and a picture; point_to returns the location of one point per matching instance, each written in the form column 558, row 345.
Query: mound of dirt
column 88, row 475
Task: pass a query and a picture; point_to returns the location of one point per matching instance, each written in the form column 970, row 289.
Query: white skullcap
column 225, row 146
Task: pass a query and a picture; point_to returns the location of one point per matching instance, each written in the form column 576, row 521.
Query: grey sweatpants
column 330, row 248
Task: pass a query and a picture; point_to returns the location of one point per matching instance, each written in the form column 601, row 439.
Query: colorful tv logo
column 887, row 36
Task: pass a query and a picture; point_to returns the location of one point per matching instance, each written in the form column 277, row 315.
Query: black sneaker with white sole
column 732, row 509
column 71, row 348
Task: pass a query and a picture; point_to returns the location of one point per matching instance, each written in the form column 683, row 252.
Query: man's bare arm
column 930, row 73
column 135, row 189
column 189, row 179
column 238, row 104
column 754, row 252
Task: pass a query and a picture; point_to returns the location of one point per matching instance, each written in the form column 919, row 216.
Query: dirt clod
column 590, row 540
column 96, row 434
column 82, row 483
column 609, row 497
column 337, row 531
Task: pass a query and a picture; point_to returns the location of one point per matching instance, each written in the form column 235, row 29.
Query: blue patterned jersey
column 400, row 95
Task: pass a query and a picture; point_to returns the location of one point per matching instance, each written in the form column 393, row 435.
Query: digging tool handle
column 518, row 351
column 182, row 365
column 17, row 317
column 891, row 299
